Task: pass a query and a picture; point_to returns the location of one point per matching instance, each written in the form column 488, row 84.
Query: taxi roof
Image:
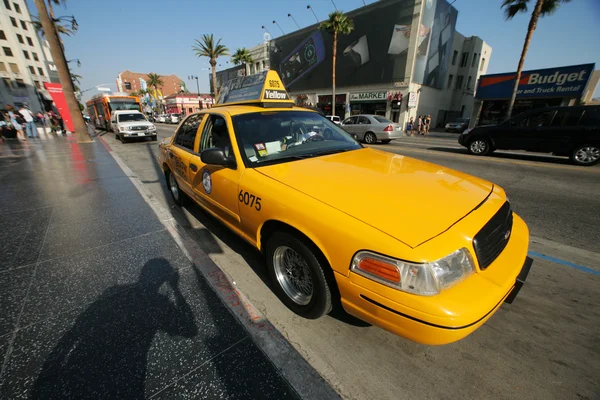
column 264, row 89
column 238, row 109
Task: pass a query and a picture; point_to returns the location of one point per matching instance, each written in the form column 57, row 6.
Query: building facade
column 260, row 59
column 411, row 62
column 129, row 82
column 24, row 65
column 187, row 103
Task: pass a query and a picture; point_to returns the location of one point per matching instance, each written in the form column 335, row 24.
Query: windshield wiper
column 327, row 152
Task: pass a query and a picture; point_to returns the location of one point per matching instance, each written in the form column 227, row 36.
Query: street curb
column 290, row 364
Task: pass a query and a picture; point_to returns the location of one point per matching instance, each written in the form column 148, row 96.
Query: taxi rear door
column 180, row 153
column 215, row 186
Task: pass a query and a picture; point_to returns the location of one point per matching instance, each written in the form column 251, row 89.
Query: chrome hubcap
column 369, row 138
column 293, row 274
column 173, row 186
column 588, row 154
column 478, row 146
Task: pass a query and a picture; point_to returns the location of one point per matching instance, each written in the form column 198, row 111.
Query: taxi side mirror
column 216, row 156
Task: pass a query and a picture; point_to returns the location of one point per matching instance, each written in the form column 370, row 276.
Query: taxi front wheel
column 298, row 275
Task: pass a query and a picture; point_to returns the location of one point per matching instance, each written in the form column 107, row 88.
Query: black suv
column 562, row 131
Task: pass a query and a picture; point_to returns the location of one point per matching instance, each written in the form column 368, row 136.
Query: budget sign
column 551, row 82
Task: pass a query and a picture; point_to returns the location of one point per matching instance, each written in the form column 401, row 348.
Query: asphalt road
column 545, row 345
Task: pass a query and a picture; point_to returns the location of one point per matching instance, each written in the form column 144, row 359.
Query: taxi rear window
column 282, row 136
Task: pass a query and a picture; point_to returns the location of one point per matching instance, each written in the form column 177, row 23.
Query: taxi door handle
column 193, row 167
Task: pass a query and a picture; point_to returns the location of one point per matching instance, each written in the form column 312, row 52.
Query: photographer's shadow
column 105, row 353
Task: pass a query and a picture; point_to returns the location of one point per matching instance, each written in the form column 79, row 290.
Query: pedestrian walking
column 409, row 127
column 420, row 125
column 30, row 125
column 54, row 124
column 42, row 120
column 426, row 124
column 16, row 120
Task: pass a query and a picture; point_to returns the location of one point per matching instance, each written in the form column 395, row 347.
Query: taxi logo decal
column 207, row 181
column 276, row 95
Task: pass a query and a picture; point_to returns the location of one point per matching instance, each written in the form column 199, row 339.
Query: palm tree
column 155, row 81
column 541, row 9
column 61, row 28
column 206, row 47
column 337, row 24
column 242, row 56
column 76, row 79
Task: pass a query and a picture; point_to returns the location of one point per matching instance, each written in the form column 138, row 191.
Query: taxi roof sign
column 264, row 88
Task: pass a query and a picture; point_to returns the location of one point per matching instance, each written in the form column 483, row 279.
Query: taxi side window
column 216, row 134
column 187, row 132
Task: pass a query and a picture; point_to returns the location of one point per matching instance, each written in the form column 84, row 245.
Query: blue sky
column 156, row 36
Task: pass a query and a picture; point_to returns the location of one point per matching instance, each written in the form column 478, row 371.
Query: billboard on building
column 567, row 81
column 374, row 53
column 227, row 75
column 434, row 48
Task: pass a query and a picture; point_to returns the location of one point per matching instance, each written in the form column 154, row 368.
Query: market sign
column 567, row 81
column 368, row 96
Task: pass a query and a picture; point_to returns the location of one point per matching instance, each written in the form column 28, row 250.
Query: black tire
column 117, row 136
column 370, row 138
column 180, row 197
column 320, row 301
column 154, row 138
column 479, row 146
column 585, row 154
column 386, row 141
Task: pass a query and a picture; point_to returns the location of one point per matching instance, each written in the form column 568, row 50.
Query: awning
column 46, row 95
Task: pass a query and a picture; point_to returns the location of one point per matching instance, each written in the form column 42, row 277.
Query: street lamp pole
column 198, row 88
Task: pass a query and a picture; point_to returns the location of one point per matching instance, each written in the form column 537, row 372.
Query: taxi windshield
column 279, row 136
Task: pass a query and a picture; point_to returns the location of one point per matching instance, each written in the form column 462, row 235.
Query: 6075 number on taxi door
column 250, row 200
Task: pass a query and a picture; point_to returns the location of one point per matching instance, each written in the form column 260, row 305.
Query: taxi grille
column 493, row 237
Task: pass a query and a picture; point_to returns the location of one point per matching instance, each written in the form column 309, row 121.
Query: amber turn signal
column 381, row 269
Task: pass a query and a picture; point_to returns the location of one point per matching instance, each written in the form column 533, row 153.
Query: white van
column 129, row 125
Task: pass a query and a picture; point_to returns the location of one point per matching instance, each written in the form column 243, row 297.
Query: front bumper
column 450, row 315
column 379, row 311
column 462, row 140
column 131, row 134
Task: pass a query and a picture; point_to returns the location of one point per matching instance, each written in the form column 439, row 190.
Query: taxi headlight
column 425, row 279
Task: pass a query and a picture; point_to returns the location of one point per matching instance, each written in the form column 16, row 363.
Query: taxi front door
column 180, row 153
column 215, row 186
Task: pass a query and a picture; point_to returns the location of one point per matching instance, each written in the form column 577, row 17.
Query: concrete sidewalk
column 98, row 300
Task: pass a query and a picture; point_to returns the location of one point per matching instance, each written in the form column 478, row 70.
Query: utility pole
column 81, row 131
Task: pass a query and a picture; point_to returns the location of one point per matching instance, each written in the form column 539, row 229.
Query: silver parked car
column 372, row 128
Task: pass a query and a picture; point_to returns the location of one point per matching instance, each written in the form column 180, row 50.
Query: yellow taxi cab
column 423, row 251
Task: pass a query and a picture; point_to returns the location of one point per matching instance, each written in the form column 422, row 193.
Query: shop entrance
column 368, row 108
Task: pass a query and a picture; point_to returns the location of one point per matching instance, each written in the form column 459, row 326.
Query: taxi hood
column 408, row 199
